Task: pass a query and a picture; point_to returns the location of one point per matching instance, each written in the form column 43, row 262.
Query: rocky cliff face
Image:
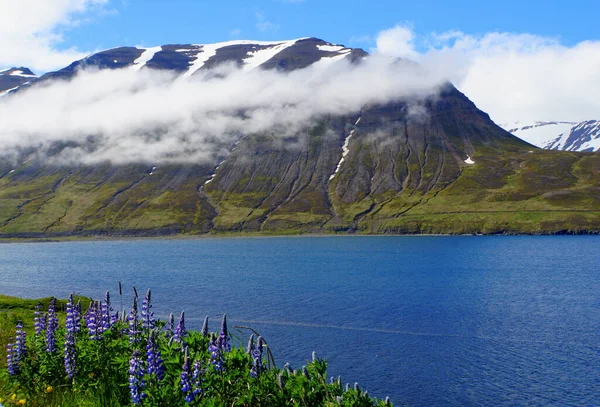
column 436, row 166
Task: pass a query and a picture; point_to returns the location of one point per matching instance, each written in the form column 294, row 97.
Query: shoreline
column 243, row 235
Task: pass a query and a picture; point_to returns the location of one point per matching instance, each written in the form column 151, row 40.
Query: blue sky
column 523, row 60
column 354, row 22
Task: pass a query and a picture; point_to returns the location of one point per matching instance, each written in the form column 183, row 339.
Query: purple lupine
column 105, row 314
column 186, row 380
column 170, row 327
column 21, row 342
column 147, row 314
column 197, row 376
column 155, row 362
column 92, row 322
column 69, row 347
column 77, row 317
column 12, row 362
column 216, row 353
column 223, row 339
column 136, row 378
column 133, row 323
column 51, row 326
column 256, row 355
column 180, row 332
column 250, row 348
column 39, row 320
column 205, row 327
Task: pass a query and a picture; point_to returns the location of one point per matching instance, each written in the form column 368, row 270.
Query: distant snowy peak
column 13, row 78
column 559, row 135
column 584, row 136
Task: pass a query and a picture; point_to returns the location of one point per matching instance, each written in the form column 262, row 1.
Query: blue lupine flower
column 257, row 358
column 223, row 339
column 69, row 347
column 180, row 332
column 216, row 353
column 39, row 320
column 197, row 376
column 147, row 315
column 92, row 322
column 51, row 326
column 186, row 380
column 136, row 378
column 133, row 323
column 105, row 313
column 12, row 363
column 20, row 342
column 170, row 327
column 250, row 348
column 155, row 362
column 205, row 327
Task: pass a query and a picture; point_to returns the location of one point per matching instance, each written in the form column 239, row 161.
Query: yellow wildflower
column 49, row 389
column 14, row 396
column 91, row 375
column 21, row 402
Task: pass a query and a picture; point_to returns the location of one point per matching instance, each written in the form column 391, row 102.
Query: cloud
column 514, row 77
column 263, row 25
column 31, row 32
column 121, row 115
column 235, row 32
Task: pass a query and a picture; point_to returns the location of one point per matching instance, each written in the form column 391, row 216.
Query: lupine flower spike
column 136, row 378
column 106, row 313
column 70, row 335
column 186, row 380
column 205, row 328
column 147, row 314
column 51, row 326
column 39, row 320
column 91, row 321
column 216, row 357
column 223, row 340
column 155, row 362
column 257, row 358
column 180, row 332
column 133, row 323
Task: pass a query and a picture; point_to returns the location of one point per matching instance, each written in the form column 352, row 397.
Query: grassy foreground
column 66, row 357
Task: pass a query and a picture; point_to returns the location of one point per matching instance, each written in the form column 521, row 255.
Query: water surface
column 429, row 321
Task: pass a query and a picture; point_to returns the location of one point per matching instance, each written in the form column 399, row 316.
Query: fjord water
column 429, row 321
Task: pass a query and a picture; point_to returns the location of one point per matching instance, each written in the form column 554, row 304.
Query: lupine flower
column 12, row 362
column 69, row 347
column 51, row 326
column 155, row 362
column 250, row 348
column 105, row 313
column 21, row 342
column 147, row 315
column 77, row 316
column 186, row 380
column 91, row 321
column 133, row 323
column 170, row 327
column 197, row 374
column 136, row 378
column 216, row 356
column 180, row 332
column 205, row 327
column 223, row 339
column 39, row 320
column 257, row 358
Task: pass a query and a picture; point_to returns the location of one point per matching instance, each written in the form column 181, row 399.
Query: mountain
column 567, row 136
column 13, row 78
column 440, row 167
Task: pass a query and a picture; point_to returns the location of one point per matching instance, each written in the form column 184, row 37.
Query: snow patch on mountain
column 256, row 58
column 146, row 57
column 539, row 134
column 584, row 136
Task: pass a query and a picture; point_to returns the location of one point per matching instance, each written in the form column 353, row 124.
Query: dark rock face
column 15, row 77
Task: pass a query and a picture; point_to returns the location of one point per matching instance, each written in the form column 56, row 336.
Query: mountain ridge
column 437, row 166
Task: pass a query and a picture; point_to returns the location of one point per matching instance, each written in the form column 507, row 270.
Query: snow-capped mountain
column 11, row 79
column 189, row 59
column 559, row 135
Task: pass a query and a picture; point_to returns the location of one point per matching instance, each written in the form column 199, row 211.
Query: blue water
column 429, row 321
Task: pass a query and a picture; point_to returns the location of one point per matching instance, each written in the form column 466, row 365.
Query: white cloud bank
column 31, row 31
column 152, row 116
column 514, row 77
